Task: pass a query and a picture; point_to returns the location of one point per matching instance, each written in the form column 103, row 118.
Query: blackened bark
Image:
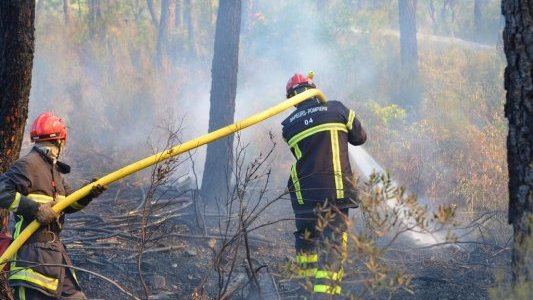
column 219, row 159
column 165, row 27
column 409, row 90
column 17, row 29
column 16, row 62
column 518, row 44
column 150, row 4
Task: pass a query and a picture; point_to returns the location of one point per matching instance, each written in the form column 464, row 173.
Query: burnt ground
column 179, row 262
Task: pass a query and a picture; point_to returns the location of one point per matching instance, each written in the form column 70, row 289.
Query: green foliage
column 388, row 113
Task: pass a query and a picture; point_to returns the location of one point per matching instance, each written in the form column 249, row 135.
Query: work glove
column 46, row 215
column 97, row 190
column 351, row 194
column 351, row 199
column 93, row 193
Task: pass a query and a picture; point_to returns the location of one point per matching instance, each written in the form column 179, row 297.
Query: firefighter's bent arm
column 356, row 133
column 14, row 185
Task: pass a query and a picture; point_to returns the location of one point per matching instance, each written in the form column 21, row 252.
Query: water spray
column 367, row 165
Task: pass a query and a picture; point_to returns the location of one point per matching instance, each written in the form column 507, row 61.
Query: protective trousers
column 70, row 291
column 321, row 244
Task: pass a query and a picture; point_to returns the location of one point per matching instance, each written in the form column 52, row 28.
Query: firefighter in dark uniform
column 321, row 184
column 29, row 189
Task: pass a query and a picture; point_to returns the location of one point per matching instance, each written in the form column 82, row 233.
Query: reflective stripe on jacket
column 318, row 135
column 25, row 186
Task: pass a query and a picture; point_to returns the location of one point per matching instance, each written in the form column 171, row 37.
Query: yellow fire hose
column 151, row 160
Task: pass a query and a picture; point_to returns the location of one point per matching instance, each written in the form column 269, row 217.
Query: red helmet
column 297, row 81
column 48, row 127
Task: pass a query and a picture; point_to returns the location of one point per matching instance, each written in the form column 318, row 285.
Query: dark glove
column 46, row 215
column 97, row 190
column 351, row 199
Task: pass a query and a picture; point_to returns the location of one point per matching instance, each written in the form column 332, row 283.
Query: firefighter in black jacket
column 321, row 184
column 29, row 189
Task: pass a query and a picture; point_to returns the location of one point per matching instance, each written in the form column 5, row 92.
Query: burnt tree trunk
column 219, row 159
column 165, row 27
column 17, row 29
column 16, row 61
column 155, row 21
column 409, row 92
column 518, row 44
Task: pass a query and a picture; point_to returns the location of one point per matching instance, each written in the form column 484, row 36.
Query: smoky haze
column 102, row 77
column 105, row 85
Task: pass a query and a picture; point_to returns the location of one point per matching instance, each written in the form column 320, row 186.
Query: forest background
column 99, row 68
column 117, row 72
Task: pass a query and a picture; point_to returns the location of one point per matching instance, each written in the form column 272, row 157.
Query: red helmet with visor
column 296, row 82
column 47, row 127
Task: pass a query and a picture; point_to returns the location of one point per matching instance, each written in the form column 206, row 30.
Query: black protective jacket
column 318, row 135
column 33, row 180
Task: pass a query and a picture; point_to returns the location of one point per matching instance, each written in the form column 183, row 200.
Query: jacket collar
column 61, row 166
column 308, row 103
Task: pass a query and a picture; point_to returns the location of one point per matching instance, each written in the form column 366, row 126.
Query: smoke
column 104, row 83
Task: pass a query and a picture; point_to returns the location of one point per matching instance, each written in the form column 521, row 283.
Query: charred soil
column 181, row 260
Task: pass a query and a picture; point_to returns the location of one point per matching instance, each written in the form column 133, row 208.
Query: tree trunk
column 219, row 159
column 95, row 10
column 443, row 15
column 155, row 21
column 94, row 15
column 66, row 11
column 17, row 29
column 178, row 22
column 519, row 111
column 408, row 43
column 409, row 95
column 165, row 27
column 188, row 14
column 477, row 19
column 431, row 11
